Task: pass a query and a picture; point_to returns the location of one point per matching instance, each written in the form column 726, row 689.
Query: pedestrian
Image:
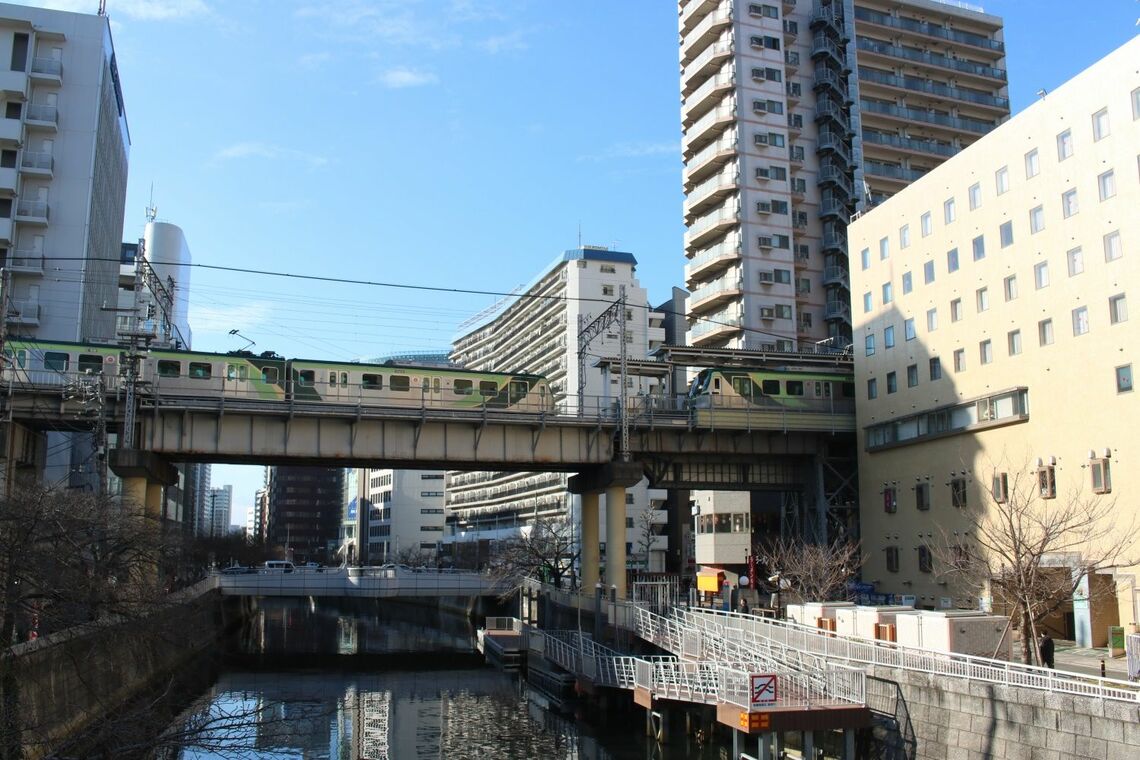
column 743, row 606
column 1045, row 647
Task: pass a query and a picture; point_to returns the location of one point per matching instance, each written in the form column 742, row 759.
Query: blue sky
column 455, row 144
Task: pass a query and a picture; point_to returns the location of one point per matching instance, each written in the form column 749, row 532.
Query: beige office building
column 993, row 342
column 794, row 115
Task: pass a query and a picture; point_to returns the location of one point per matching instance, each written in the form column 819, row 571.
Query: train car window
column 436, row 385
column 231, row 372
column 518, row 391
column 742, row 386
column 794, row 387
column 200, row 371
column 332, row 379
column 847, row 389
column 716, row 385
column 488, row 388
column 400, row 383
column 770, row 387
column 462, row 387
column 372, row 382
column 20, row 357
column 269, row 375
column 168, row 368
column 344, row 379
column 92, row 363
column 306, row 377
column 826, row 390
column 56, row 360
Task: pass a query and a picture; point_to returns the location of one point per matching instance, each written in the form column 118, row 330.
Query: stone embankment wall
column 954, row 719
column 56, row 686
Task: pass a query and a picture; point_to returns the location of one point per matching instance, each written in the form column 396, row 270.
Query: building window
column 1076, row 261
column 956, row 310
column 865, row 257
column 904, row 236
column 889, row 336
column 1136, row 104
column 1124, row 379
column 1041, row 275
column 1112, row 248
column 1100, row 124
column 1001, row 180
column 890, row 500
column 911, row 375
column 952, row 260
column 607, row 290
column 982, row 298
column 1000, row 487
column 1045, row 332
column 1106, row 185
column 868, row 302
column 869, row 345
column 1013, row 338
column 927, row 226
column 1117, row 309
column 892, row 553
column 888, row 293
column 1036, row 219
column 1046, row 482
column 892, row 382
column 1009, row 285
column 1005, row 233
column 931, row 320
column 935, row 368
column 1069, row 205
column 928, row 272
column 986, row 352
column 909, row 333
column 1064, row 145
column 872, row 388
column 1101, row 475
column 1032, row 164
column 979, row 245
column 975, row 194
column 907, row 283
column 1080, row 320
column 922, row 497
column 884, row 248
column 925, row 561
column 960, row 360
column 948, row 212
column 958, row 492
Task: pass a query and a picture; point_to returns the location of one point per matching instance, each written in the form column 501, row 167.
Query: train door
column 431, row 389
column 236, row 383
column 338, row 389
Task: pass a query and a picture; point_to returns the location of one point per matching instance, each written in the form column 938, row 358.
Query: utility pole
column 90, row 390
column 616, row 312
column 137, row 340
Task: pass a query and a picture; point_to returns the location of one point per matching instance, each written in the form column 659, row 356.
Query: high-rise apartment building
column 219, row 501
column 995, row 353
column 795, row 115
column 537, row 331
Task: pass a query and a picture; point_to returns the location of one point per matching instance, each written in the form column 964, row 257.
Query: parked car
column 277, row 565
column 237, row 570
column 314, row 566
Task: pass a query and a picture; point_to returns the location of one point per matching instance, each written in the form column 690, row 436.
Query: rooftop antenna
column 151, row 209
column 102, row 7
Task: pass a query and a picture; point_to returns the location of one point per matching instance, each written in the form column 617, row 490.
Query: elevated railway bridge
column 764, row 444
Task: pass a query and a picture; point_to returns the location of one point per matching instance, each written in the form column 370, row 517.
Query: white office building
column 219, row 503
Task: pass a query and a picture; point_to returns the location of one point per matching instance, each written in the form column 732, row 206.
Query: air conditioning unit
column 767, row 278
column 763, row 173
column 767, row 346
column 760, row 139
column 759, row 106
column 756, row 42
column 765, row 241
column 758, row 74
column 767, row 312
column 764, row 207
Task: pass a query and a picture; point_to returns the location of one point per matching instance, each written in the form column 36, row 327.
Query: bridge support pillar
column 848, row 744
column 591, row 556
column 764, row 749
column 615, row 539
column 144, row 474
column 808, row 743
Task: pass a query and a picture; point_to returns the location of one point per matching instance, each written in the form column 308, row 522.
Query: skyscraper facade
column 797, row 114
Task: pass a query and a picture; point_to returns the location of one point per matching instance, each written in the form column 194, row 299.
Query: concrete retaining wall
column 959, row 720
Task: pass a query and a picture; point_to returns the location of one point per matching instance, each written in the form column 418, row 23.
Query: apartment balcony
column 37, row 163
column 829, row 79
column 710, row 193
column 708, row 262
column 833, row 142
column 926, row 116
column 926, row 29
column 833, row 241
column 704, row 65
column 705, row 33
column 706, row 97
column 791, row 60
column 709, row 127
column 890, row 171
column 832, row 210
column 832, row 176
column 47, row 70
column 837, row 310
column 937, row 89
column 11, row 131
column 709, row 227
column 908, row 144
column 692, row 12
column 9, row 181
column 714, row 328
column 892, row 53
column 826, row 17
column 791, row 30
column 716, row 294
column 804, row 329
column 42, row 116
column 794, row 91
column 709, row 160
column 25, row 262
column 23, row 313
column 32, row 212
column 834, row 275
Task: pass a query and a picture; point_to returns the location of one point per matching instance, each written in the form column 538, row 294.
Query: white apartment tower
column 537, row 331
column 795, row 115
column 219, row 502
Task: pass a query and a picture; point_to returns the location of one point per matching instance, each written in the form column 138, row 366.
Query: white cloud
column 401, row 77
column 635, row 150
column 254, row 149
column 504, row 43
column 313, row 61
column 143, row 10
column 219, row 319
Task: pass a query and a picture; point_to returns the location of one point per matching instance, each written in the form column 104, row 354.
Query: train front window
column 200, row 371
column 306, row 377
column 770, row 387
column 168, row 368
column 92, row 363
column 56, row 360
column 269, row 375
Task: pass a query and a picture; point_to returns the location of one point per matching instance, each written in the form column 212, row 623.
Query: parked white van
column 277, row 565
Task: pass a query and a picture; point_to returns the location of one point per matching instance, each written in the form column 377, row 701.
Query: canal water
column 384, row 681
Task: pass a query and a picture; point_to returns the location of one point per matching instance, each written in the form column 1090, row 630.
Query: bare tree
column 811, row 572
column 546, row 552
column 646, row 534
column 1030, row 549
